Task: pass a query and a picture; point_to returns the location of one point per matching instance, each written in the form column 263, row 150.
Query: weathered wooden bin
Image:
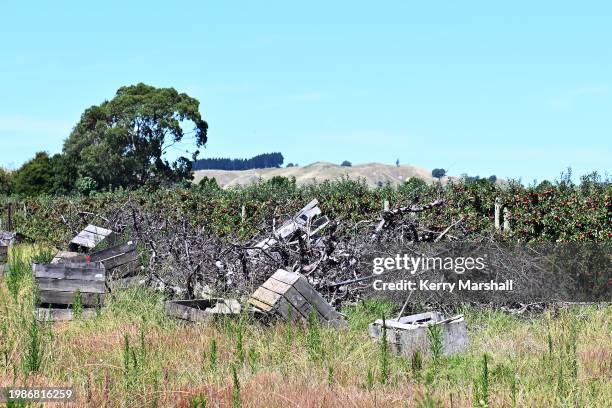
column 120, row 261
column 90, row 237
column 408, row 334
column 7, row 239
column 290, row 295
column 59, row 283
column 201, row 310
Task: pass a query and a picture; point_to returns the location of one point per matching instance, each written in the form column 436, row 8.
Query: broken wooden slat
column 199, row 310
column 3, row 254
column 90, row 237
column 71, row 285
column 67, row 298
column 120, row 261
column 90, row 272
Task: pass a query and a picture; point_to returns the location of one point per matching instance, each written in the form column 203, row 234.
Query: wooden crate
column 90, row 237
column 201, row 310
column 7, row 239
column 290, row 295
column 3, row 254
column 120, row 261
column 408, row 334
column 57, row 283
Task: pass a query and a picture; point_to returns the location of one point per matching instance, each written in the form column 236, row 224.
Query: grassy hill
column 373, row 173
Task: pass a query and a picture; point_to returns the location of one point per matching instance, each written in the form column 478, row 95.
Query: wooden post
column 10, row 217
column 243, row 213
column 498, row 206
column 386, row 205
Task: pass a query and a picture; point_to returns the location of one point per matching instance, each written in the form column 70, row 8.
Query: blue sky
column 521, row 89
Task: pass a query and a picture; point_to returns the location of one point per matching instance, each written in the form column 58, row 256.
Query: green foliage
column 208, row 185
column 199, row 401
column 416, row 364
column 122, row 142
column 253, row 359
column 434, row 333
column 77, row 304
column 44, row 256
column 6, row 182
column 213, row 356
column 438, row 173
column 33, row 356
column 481, row 385
column 563, row 213
column 346, row 163
column 35, row 177
column 314, row 342
column 236, row 400
column 86, row 185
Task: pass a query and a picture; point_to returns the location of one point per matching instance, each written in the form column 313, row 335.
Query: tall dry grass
column 131, row 355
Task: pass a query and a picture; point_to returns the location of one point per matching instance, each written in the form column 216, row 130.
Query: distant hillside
column 373, row 173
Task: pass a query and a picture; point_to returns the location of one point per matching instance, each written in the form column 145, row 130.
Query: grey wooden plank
column 124, row 271
column 91, row 272
column 71, row 285
column 60, row 315
column 287, row 277
column 67, row 298
column 113, row 251
column 291, row 295
column 98, row 230
column 266, row 296
column 315, row 299
column 261, row 305
column 118, row 260
column 183, row 312
column 276, row 286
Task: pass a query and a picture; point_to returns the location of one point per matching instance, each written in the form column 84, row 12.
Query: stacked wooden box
column 408, row 334
column 58, row 285
column 290, row 296
column 120, row 261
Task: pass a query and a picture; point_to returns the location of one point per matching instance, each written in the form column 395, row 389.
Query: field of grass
column 131, row 355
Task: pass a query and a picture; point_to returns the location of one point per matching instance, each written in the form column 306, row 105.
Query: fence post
column 243, row 213
column 10, row 217
column 506, row 220
column 498, row 206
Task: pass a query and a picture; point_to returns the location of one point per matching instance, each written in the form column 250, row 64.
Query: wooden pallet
column 58, row 283
column 290, row 295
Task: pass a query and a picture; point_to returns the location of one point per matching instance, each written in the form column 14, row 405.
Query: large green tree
column 124, row 141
